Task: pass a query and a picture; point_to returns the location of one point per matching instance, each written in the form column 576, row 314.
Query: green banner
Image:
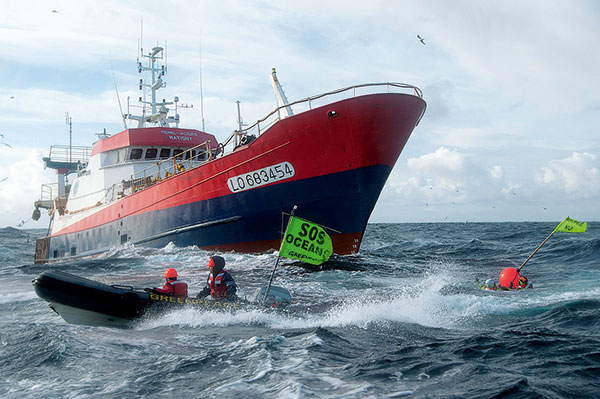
column 571, row 226
column 306, row 241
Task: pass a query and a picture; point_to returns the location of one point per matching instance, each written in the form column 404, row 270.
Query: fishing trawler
column 158, row 183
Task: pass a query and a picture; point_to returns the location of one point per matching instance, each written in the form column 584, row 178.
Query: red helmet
column 217, row 263
column 509, row 278
column 171, row 273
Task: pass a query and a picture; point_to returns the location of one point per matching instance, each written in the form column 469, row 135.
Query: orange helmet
column 522, row 280
column 171, row 273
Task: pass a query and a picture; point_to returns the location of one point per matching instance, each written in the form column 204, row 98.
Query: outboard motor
column 278, row 297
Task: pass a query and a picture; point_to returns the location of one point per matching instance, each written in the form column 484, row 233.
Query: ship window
column 177, row 153
column 201, row 155
column 73, row 251
column 190, row 154
column 114, row 157
column 165, row 153
column 136, row 153
column 55, row 253
column 120, row 155
column 151, row 153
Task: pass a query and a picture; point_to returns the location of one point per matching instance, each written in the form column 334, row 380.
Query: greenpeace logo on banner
column 571, row 226
column 260, row 177
column 306, row 241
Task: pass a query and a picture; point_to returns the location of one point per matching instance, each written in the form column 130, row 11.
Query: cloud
column 24, row 178
column 577, row 175
column 440, row 176
column 504, row 81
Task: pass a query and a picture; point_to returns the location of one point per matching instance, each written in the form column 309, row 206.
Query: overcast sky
column 511, row 132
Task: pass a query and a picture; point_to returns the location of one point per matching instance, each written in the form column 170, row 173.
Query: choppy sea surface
column 404, row 318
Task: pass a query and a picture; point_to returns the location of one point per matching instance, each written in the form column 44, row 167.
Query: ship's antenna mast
column 69, row 121
column 241, row 124
column 141, row 52
column 159, row 111
column 141, row 41
column 118, row 98
column 239, row 118
column 201, row 93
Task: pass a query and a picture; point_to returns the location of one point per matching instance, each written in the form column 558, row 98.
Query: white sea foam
column 420, row 301
column 17, row 296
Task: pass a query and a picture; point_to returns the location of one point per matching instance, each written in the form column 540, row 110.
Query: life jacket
column 179, row 288
column 218, row 289
column 174, row 288
column 523, row 286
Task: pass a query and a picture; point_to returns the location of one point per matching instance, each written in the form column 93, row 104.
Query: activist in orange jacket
column 219, row 284
column 172, row 286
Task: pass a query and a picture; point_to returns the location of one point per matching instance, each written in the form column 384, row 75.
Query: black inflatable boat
column 80, row 300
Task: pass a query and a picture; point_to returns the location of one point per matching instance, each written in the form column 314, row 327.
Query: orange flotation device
column 509, row 278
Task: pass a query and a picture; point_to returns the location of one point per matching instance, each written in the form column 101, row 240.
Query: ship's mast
column 280, row 95
column 158, row 110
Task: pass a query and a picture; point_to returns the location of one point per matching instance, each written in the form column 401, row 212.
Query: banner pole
column 278, row 257
column 543, row 242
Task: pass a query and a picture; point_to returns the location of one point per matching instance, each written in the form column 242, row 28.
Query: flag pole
column 278, row 257
column 543, row 242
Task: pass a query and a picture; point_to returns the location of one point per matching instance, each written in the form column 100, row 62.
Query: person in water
column 219, row 284
column 490, row 285
column 511, row 279
column 173, row 286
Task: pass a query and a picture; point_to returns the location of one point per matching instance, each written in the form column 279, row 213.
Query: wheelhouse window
column 136, row 153
column 177, row 153
column 151, row 153
column 165, row 153
column 190, row 154
column 114, row 157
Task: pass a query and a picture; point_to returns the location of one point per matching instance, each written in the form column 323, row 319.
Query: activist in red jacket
column 219, row 284
column 172, row 286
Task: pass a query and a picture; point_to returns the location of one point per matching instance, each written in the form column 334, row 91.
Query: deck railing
column 47, row 196
column 165, row 168
column 65, row 153
column 308, row 103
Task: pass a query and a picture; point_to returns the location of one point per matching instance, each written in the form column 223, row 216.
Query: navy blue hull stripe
column 343, row 201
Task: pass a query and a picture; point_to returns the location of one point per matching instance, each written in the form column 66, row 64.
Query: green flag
column 571, row 226
column 306, row 241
